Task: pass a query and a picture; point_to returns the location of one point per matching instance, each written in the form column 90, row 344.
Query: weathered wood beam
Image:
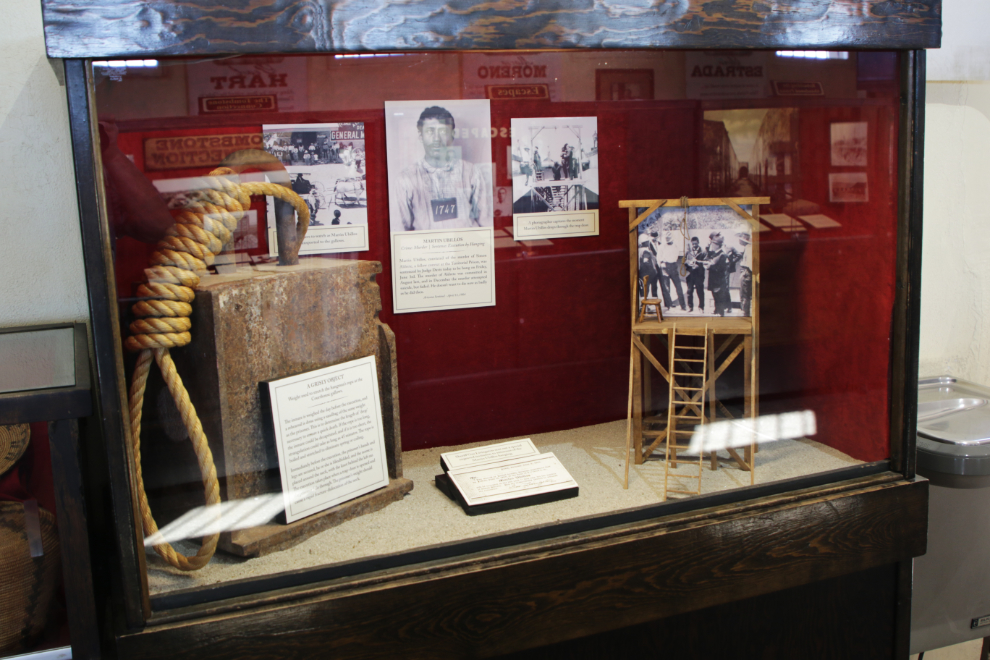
column 144, row 28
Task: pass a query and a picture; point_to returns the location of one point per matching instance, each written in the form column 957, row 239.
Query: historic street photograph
column 326, row 166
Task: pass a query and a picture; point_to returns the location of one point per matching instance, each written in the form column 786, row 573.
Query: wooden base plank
column 265, row 539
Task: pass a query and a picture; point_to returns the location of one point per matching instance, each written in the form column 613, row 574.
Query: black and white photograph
column 701, row 265
column 326, row 166
column 753, row 152
column 845, row 187
column 439, row 164
column 848, row 144
column 554, row 164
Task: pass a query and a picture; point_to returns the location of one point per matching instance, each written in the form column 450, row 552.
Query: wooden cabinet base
column 512, row 599
column 851, row 616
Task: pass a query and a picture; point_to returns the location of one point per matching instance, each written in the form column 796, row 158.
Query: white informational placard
column 326, row 165
column 434, row 270
column 561, row 224
column 329, row 436
column 324, row 240
column 554, row 163
column 465, row 458
column 511, row 479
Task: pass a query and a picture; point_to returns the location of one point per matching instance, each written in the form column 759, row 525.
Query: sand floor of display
column 594, row 455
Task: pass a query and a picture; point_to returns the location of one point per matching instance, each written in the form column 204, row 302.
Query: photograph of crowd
column 326, row 165
column 702, row 265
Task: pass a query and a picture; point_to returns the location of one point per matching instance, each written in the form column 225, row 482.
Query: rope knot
column 204, row 226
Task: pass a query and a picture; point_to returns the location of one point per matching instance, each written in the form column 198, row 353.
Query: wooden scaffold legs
column 688, row 383
column 699, row 352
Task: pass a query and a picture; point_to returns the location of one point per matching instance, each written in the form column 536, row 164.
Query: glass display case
column 45, row 391
column 631, row 300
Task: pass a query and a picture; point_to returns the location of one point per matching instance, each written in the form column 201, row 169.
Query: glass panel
column 547, row 263
column 37, row 360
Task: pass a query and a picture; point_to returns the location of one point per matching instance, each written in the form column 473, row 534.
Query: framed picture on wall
column 623, row 84
column 848, row 143
column 848, row 187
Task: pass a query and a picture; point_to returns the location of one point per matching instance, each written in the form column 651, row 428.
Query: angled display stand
column 573, row 586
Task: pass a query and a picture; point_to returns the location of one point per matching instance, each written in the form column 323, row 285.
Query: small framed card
column 508, row 484
column 329, row 436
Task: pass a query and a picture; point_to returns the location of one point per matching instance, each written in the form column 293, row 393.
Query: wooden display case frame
column 533, row 588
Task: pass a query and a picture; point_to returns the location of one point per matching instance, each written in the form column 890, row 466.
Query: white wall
column 41, row 271
column 955, row 288
column 965, row 52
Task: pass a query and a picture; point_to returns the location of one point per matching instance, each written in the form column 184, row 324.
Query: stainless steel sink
column 951, row 582
column 953, row 412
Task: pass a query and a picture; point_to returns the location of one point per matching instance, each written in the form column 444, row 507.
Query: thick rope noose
column 684, row 232
column 200, row 232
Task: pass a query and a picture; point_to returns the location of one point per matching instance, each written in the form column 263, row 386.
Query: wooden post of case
column 637, row 407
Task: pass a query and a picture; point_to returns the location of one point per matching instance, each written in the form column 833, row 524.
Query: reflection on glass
column 36, row 360
column 743, row 432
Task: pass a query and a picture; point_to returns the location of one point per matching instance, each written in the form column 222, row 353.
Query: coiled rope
column 685, row 204
column 201, row 231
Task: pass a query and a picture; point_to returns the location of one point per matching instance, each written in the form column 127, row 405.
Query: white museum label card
column 554, row 162
column 325, row 240
column 564, row 224
column 434, row 270
column 326, row 164
column 329, row 436
column 512, row 479
column 465, row 458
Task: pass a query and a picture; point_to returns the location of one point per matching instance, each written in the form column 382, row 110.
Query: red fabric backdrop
column 553, row 353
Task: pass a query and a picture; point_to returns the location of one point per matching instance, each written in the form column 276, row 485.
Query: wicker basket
column 27, row 584
column 13, row 441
